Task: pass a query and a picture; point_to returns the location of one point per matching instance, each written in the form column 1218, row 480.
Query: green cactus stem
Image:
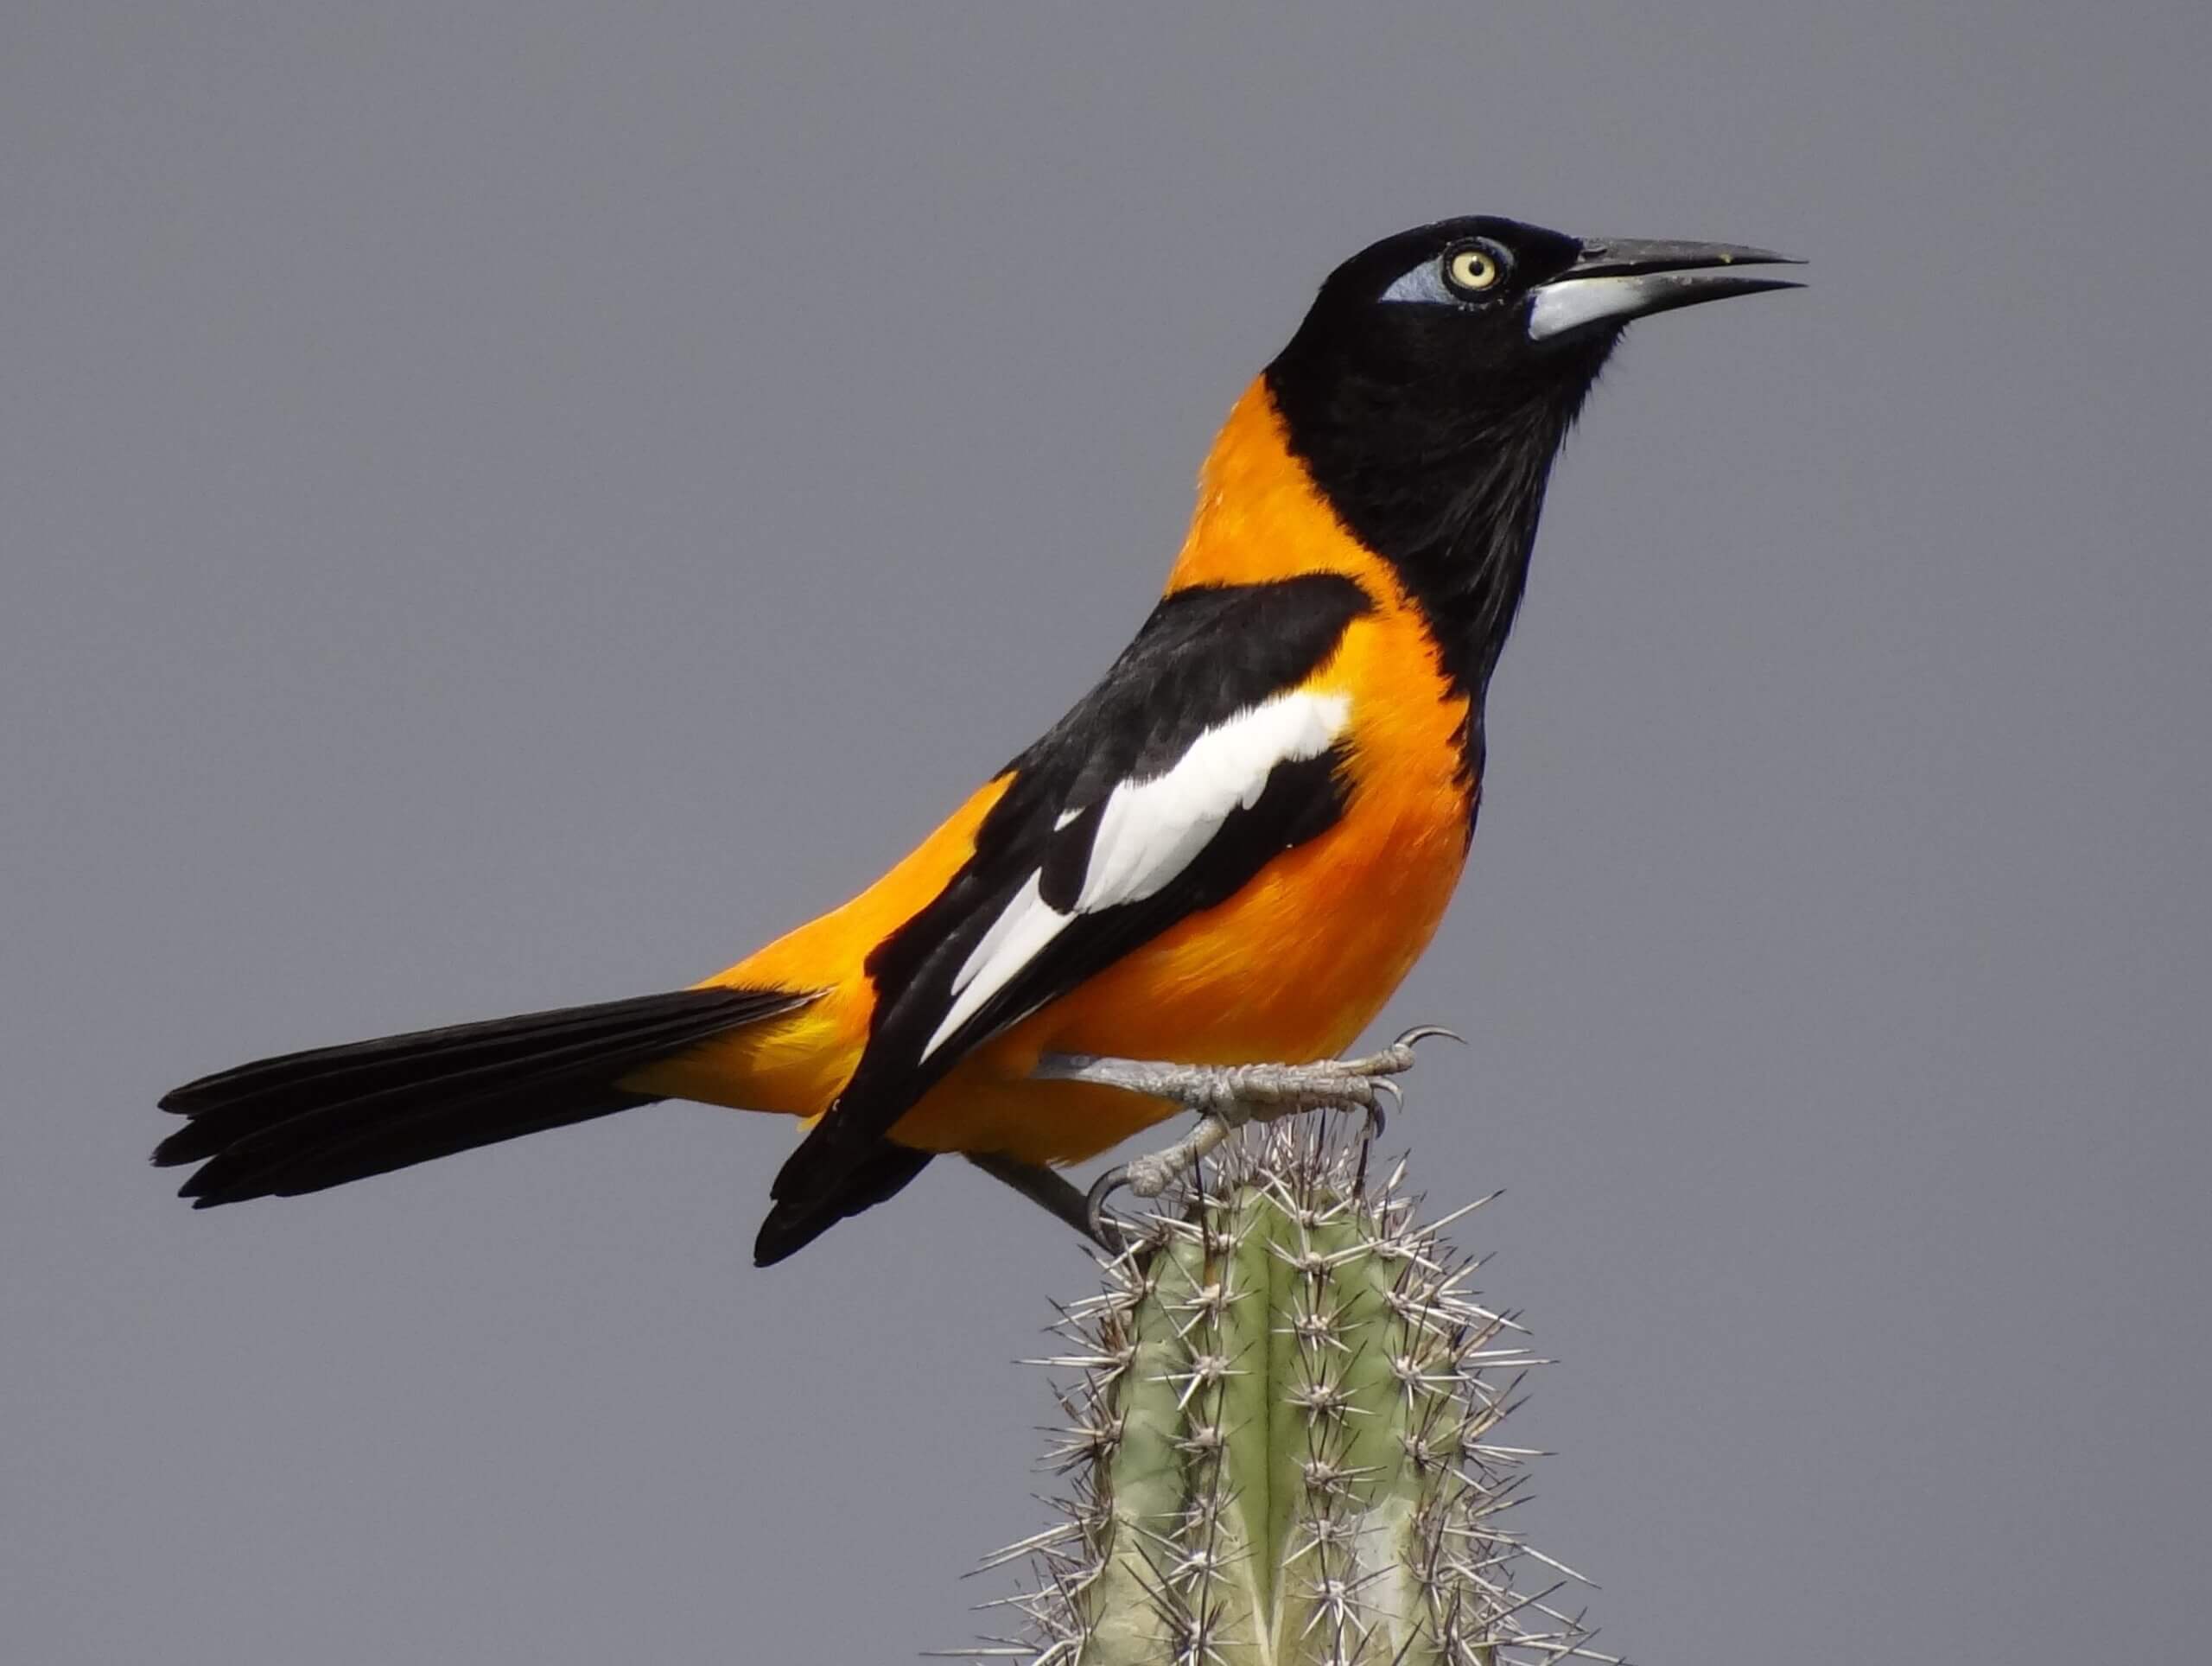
column 1283, row 1445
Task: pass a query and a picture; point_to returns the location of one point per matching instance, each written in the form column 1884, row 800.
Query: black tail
column 309, row 1120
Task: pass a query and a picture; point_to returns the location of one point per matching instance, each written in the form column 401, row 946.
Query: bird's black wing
column 1196, row 760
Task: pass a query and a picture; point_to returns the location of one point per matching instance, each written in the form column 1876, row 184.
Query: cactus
column 1282, row 1442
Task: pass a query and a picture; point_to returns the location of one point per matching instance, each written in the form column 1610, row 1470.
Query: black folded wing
column 1201, row 756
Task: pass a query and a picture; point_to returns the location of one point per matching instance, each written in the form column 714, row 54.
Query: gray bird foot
column 1227, row 1097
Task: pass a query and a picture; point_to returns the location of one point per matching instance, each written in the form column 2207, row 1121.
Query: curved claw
column 1377, row 1120
column 1424, row 1032
column 1094, row 1207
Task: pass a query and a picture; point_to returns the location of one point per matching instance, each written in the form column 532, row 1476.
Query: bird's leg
column 1057, row 1195
column 1227, row 1097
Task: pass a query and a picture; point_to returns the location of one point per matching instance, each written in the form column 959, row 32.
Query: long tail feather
column 306, row 1121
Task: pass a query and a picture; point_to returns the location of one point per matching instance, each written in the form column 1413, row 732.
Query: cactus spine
column 1281, row 1444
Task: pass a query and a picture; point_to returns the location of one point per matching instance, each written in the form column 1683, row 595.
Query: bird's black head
column 1431, row 384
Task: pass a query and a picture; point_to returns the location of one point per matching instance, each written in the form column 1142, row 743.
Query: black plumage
column 306, row 1121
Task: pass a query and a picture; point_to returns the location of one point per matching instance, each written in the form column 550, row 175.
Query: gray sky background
column 504, row 505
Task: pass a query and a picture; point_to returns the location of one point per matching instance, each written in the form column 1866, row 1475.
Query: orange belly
column 1275, row 973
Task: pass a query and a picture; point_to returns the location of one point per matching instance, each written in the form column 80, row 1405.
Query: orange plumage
column 1290, row 968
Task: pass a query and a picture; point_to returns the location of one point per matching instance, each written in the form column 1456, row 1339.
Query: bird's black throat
column 1440, row 472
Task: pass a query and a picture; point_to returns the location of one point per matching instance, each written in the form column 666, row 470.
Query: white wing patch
column 1152, row 829
column 1149, row 832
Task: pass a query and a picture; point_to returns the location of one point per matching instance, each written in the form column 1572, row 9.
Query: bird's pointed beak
column 1617, row 279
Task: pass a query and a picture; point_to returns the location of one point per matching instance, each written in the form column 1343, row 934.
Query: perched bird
column 1197, row 888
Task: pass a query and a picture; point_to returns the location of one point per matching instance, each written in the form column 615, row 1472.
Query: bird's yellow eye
column 1472, row 269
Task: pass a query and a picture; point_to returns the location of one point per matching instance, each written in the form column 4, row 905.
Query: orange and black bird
column 1197, row 888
